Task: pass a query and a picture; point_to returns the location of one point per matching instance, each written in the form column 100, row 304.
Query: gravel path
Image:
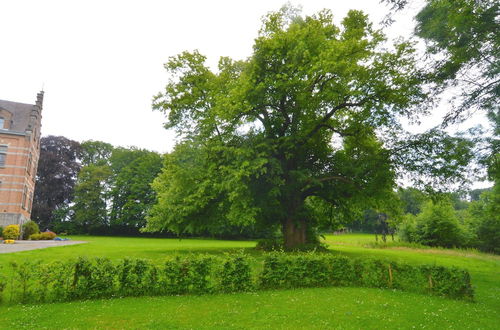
column 33, row 245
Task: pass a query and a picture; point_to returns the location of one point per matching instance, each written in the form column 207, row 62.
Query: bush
column 47, row 235
column 407, row 229
column 1, row 231
column 311, row 270
column 84, row 278
column 35, row 237
column 11, row 232
column 30, row 228
column 438, row 225
column 270, row 244
column 236, row 274
column 488, row 229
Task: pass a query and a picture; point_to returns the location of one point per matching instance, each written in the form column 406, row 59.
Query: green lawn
column 343, row 308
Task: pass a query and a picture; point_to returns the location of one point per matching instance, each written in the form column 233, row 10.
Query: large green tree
column 91, row 198
column 131, row 194
column 311, row 117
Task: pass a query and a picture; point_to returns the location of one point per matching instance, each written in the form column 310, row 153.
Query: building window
column 3, row 155
column 2, row 122
column 30, row 160
column 30, row 203
column 23, row 201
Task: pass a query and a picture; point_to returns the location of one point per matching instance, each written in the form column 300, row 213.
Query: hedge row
column 292, row 271
column 83, row 278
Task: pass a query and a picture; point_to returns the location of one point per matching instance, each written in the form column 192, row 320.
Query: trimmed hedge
column 313, row 270
column 84, row 278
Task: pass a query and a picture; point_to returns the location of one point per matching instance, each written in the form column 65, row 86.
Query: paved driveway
column 33, row 245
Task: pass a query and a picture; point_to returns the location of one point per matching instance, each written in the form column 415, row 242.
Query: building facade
column 20, row 126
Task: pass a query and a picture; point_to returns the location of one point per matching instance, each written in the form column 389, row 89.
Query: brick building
column 20, row 125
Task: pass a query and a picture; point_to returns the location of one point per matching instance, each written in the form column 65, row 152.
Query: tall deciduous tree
column 58, row 168
column 312, row 114
column 131, row 194
column 95, row 153
column 91, row 198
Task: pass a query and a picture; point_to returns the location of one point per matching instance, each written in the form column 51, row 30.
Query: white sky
column 101, row 62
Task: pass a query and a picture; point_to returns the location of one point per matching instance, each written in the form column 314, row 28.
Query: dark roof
column 20, row 114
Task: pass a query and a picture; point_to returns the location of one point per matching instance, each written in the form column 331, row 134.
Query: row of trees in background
column 467, row 220
column 93, row 187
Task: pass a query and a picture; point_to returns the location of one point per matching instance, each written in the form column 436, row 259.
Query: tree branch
column 329, row 115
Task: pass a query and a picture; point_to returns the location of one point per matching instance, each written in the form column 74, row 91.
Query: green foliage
column 407, row 229
column 438, row 225
column 47, row 235
column 412, row 200
column 30, row 228
column 291, row 271
column 35, row 237
column 189, row 275
column 95, row 153
column 113, row 192
column 465, row 35
column 270, row 244
column 236, row 274
column 84, row 278
column 483, row 220
column 91, row 195
column 309, row 124
column 11, row 232
column 1, row 231
column 132, row 196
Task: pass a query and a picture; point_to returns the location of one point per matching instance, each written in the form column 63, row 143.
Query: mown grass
column 343, row 308
column 325, row 308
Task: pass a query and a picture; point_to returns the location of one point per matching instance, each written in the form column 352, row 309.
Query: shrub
column 438, row 225
column 47, row 235
column 488, row 230
column 84, row 278
column 270, row 244
column 1, row 231
column 35, row 237
column 188, row 275
column 11, row 232
column 30, row 228
column 407, row 229
column 236, row 274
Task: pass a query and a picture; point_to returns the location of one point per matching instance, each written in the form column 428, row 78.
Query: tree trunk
column 294, row 233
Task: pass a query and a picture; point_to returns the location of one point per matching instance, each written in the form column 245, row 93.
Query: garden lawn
column 342, row 308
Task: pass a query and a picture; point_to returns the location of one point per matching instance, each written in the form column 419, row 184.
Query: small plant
column 11, row 232
column 47, row 235
column 35, row 237
column 30, row 228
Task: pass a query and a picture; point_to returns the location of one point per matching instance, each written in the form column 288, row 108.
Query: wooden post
column 390, row 276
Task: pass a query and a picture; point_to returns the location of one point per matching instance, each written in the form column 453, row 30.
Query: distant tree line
column 468, row 220
column 93, row 187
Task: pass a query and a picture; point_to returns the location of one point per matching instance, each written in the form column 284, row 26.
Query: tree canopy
column 58, row 168
column 311, row 118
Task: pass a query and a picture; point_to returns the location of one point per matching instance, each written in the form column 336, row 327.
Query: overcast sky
column 101, row 62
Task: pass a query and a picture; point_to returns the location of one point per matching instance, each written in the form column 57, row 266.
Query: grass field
column 342, row 308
